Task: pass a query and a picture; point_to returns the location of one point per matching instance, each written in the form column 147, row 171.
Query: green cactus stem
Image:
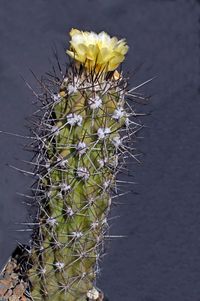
column 80, row 143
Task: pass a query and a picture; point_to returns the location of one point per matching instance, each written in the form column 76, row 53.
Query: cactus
column 80, row 141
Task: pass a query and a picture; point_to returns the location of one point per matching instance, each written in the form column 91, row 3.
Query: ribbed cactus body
column 79, row 140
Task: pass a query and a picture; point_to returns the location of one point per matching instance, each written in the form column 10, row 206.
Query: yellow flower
column 98, row 51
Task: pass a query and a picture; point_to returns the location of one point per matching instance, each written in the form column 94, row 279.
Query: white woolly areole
column 77, row 234
column 83, row 173
column 56, row 97
column 115, row 161
column 62, row 162
column 72, row 89
column 43, row 271
column 55, row 130
column 116, row 141
column 94, row 102
column 51, row 221
column 66, row 80
column 74, row 119
column 91, row 201
column 103, row 132
column 127, row 122
column 93, row 294
column 105, row 221
column 59, row 265
column 118, row 113
column 81, row 148
column 47, row 165
column 48, row 193
column 102, row 162
column 65, row 187
column 69, row 211
column 94, row 225
column 106, row 184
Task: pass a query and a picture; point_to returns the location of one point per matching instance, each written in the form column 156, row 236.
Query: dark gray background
column 160, row 259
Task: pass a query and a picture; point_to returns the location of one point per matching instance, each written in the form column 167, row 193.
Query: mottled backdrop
column 160, row 258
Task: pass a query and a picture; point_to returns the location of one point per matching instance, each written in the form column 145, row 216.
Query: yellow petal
column 97, row 50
